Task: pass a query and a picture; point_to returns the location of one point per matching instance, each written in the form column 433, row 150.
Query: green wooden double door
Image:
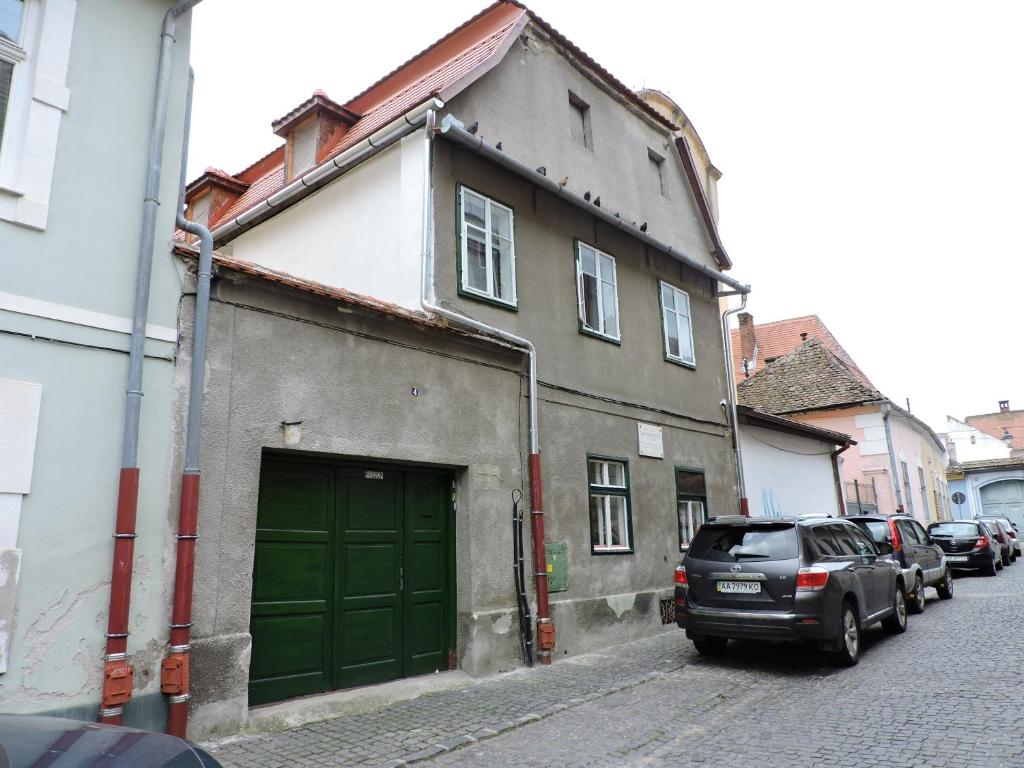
column 353, row 577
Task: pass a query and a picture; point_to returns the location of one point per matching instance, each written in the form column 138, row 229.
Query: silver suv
column 807, row 578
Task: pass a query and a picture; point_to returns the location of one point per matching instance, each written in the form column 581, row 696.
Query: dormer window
column 210, row 194
column 201, row 209
column 303, row 154
column 310, row 129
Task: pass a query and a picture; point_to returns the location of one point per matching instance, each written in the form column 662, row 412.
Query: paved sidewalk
column 409, row 731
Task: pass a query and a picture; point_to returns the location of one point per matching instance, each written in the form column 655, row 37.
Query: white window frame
column 677, row 292
column 38, row 100
column 581, row 294
column 490, row 295
column 605, row 490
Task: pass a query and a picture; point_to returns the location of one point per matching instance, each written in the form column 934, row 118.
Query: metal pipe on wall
column 545, row 629
column 741, row 487
column 174, row 672
column 117, row 671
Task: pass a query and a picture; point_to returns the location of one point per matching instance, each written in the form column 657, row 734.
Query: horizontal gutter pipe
column 117, row 670
column 730, row 374
column 174, row 673
column 428, row 300
column 453, row 129
column 318, row 177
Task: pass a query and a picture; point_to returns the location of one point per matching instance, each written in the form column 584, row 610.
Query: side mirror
column 884, row 547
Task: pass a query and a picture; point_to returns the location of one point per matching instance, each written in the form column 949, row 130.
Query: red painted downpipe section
column 545, row 629
column 117, row 671
column 175, row 671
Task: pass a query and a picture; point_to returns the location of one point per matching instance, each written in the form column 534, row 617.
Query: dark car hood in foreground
column 29, row 741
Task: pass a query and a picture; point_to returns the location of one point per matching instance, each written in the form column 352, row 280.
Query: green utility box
column 558, row 566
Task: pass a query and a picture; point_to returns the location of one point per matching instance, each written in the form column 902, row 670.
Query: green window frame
column 486, row 249
column 691, row 503
column 610, row 512
column 676, row 325
column 597, row 293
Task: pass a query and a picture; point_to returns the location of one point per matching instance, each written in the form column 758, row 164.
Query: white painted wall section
column 363, row 232
column 787, row 474
column 20, row 402
column 873, row 443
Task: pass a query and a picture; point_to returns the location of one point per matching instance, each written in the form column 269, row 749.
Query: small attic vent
column 310, row 129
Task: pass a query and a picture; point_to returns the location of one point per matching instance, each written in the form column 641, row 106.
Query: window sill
column 610, row 339
column 485, row 299
column 681, row 363
column 624, row 551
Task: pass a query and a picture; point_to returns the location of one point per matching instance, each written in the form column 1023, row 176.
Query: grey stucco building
column 365, row 438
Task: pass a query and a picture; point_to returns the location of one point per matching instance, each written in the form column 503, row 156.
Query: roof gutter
column 326, row 173
column 453, row 129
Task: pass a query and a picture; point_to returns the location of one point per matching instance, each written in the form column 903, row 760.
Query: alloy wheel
column 851, row 636
column 901, row 607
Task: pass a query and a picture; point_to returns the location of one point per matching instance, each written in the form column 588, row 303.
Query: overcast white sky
column 873, row 152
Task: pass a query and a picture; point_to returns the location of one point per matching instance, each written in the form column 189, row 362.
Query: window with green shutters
column 676, row 326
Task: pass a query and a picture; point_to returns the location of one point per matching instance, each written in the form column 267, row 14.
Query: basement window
column 579, row 121
column 597, row 292
column 611, row 526
column 487, row 258
column 676, row 326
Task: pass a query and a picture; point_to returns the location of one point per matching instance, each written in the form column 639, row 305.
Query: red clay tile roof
column 986, row 465
column 443, row 69
column 783, row 336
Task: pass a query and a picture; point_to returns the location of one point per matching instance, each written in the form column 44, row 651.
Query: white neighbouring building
column 790, row 468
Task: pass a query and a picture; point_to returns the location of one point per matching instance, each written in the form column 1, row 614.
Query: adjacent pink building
column 797, row 369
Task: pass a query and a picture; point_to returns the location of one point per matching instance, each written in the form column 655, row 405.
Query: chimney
column 748, row 340
column 1004, row 406
column 314, row 125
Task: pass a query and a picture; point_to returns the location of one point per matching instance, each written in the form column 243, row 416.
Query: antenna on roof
column 908, row 405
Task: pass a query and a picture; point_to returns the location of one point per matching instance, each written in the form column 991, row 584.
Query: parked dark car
column 922, row 560
column 1010, row 530
column 968, row 544
column 816, row 579
column 30, row 740
column 1003, row 537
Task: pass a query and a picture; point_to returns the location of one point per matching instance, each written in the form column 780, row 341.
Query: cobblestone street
column 947, row 693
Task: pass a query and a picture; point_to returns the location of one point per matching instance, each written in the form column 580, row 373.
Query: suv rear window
column 733, row 543
column 877, row 529
column 953, row 529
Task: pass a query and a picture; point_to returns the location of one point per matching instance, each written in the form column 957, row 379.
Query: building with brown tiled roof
column 1006, row 424
column 369, row 413
column 898, row 463
column 988, row 487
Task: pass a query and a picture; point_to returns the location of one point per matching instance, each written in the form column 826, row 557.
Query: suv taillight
column 811, row 579
column 681, row 575
column 981, row 543
column 897, row 544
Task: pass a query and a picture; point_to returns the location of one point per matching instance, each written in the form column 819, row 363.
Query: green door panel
column 352, row 577
column 427, row 559
column 292, row 580
column 368, row 639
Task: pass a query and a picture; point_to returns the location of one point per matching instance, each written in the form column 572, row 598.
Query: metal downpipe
column 174, row 672
column 741, row 487
column 545, row 629
column 117, row 671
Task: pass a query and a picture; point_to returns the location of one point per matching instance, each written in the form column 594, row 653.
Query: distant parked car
column 1011, row 531
column 922, row 560
column 817, row 579
column 27, row 741
column 968, row 544
column 1005, row 542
